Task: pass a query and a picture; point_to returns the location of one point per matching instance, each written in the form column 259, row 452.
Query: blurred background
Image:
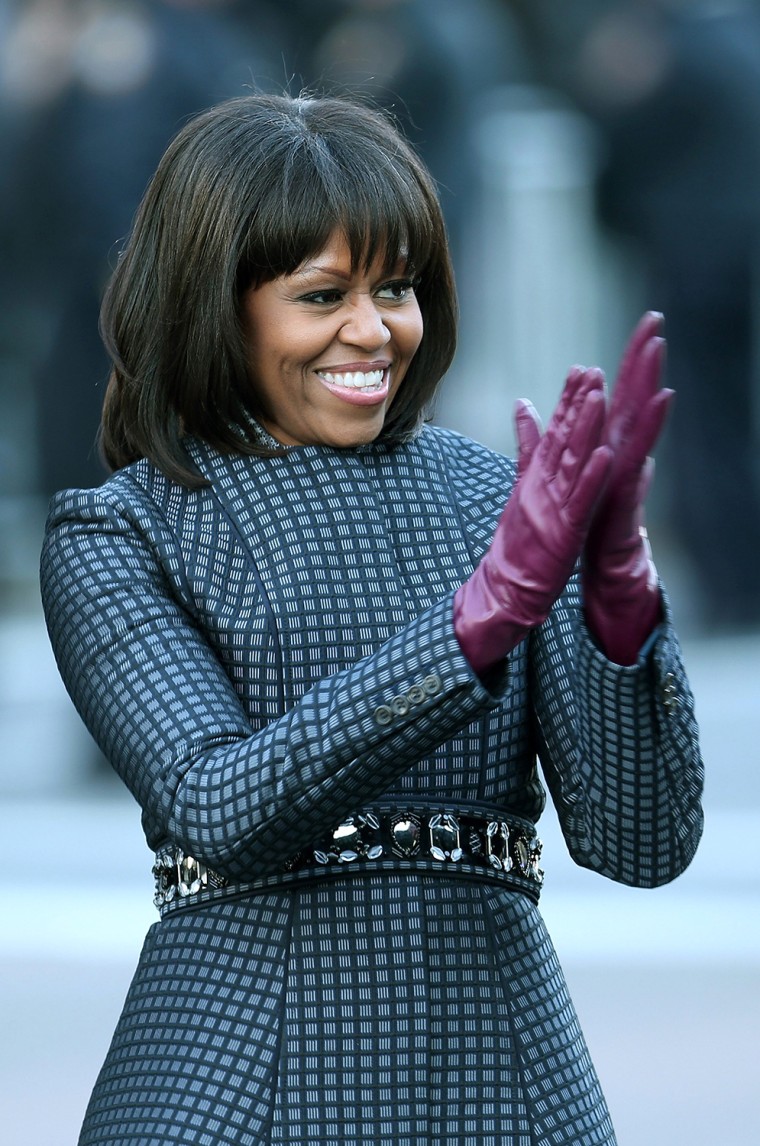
column 595, row 159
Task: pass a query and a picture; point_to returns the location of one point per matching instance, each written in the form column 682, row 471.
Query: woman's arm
column 619, row 749
column 151, row 690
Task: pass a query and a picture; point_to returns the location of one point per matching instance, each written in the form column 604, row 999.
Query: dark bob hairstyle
column 248, row 191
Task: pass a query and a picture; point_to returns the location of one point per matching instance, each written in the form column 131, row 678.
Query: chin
column 348, row 436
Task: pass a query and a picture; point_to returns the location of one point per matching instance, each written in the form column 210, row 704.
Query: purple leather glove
column 621, row 595
column 543, row 526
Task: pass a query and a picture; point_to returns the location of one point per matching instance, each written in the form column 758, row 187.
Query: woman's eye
column 398, row 290
column 323, row 297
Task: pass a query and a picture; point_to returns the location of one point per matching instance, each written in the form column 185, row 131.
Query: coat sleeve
column 152, row 692
column 619, row 748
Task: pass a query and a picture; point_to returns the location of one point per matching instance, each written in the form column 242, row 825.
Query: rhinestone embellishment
column 444, row 837
column 497, row 846
column 406, row 830
column 177, row 874
column 350, row 841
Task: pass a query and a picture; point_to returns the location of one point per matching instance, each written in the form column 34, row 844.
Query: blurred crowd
column 92, row 90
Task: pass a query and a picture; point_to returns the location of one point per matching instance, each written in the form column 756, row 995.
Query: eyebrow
column 318, row 269
column 338, row 272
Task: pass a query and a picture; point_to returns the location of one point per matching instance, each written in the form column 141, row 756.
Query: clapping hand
column 580, row 492
column 621, row 594
column 544, row 524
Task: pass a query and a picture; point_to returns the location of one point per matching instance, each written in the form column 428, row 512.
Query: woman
column 323, row 654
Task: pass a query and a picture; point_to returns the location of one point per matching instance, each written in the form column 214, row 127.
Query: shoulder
column 480, row 478
column 127, row 514
column 139, row 494
column 466, row 456
column 111, row 543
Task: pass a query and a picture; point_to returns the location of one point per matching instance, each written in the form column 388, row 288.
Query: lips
column 358, row 387
column 354, row 379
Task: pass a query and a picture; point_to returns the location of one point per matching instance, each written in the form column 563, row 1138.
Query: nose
column 364, row 325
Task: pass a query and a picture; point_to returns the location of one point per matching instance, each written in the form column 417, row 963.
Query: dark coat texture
column 229, row 648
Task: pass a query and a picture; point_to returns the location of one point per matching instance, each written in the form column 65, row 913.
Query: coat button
column 383, row 714
column 400, row 705
column 670, row 696
column 431, row 684
column 416, row 694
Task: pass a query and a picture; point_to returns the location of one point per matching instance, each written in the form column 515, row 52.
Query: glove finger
column 645, row 484
column 626, row 503
column 643, row 435
column 580, row 383
column 638, row 379
column 529, row 429
column 587, row 490
column 651, row 423
column 583, row 437
column 648, row 326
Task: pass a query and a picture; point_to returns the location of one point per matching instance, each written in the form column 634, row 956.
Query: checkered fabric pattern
column 229, row 648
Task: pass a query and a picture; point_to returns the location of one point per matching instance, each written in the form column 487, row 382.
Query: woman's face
column 329, row 347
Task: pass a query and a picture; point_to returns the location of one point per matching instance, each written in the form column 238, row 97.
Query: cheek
column 276, row 358
column 410, row 336
column 296, row 344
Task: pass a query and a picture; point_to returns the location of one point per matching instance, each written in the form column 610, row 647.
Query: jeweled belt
column 497, row 844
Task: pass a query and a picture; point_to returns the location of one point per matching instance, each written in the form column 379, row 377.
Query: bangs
column 246, row 192
column 377, row 200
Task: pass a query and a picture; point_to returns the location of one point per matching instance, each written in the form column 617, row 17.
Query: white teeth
column 355, row 380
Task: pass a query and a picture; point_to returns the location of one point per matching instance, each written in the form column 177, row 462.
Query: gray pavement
column 667, row 983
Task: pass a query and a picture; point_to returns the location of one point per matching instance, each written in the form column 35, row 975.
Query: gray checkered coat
column 229, row 648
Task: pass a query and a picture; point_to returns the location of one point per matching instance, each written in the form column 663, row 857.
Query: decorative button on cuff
column 670, row 695
column 400, row 705
column 432, row 684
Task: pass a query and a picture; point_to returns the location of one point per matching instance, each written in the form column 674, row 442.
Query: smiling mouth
column 364, row 382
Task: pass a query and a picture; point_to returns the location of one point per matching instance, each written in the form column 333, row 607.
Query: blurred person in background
column 429, row 61
column 681, row 178
column 674, row 89
column 92, row 92
column 326, row 643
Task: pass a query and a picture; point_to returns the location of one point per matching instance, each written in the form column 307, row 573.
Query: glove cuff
column 623, row 611
column 484, row 633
